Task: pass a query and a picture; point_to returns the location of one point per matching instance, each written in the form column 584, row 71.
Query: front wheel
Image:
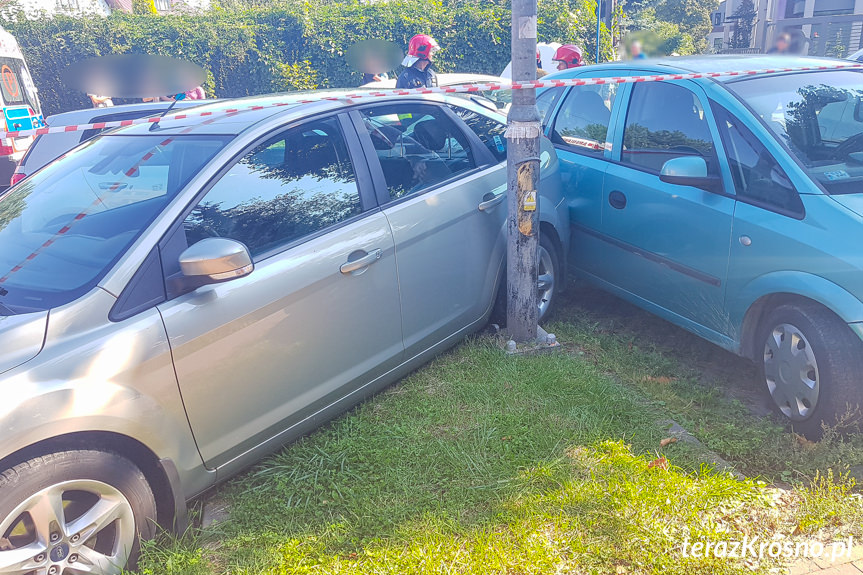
column 73, row 512
column 811, row 366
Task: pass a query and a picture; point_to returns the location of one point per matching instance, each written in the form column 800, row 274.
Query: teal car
column 732, row 207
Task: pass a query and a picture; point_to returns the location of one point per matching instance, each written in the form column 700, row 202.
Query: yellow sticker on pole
column 529, row 204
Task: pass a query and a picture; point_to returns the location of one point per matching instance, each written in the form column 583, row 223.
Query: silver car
column 178, row 300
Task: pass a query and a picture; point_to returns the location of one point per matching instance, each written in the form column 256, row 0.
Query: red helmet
column 569, row 54
column 422, row 46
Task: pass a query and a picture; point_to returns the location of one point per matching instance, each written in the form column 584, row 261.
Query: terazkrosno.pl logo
column 757, row 548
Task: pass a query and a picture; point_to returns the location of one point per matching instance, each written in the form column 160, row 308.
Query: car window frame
column 169, row 243
column 800, row 170
column 726, row 165
column 726, row 188
column 612, row 119
column 482, row 156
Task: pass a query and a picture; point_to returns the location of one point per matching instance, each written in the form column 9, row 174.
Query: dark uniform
column 415, row 78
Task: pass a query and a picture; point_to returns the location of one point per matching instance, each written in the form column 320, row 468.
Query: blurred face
column 636, row 49
column 561, row 65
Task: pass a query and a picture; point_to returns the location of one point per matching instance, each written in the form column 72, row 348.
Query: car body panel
column 319, row 340
column 785, row 253
column 95, row 375
column 309, row 331
column 25, row 335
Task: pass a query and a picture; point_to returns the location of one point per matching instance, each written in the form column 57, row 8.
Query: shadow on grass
column 479, row 463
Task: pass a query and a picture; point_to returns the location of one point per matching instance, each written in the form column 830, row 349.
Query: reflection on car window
column 546, row 100
column 490, row 132
column 80, row 213
column 418, row 146
column 665, row 121
column 756, row 174
column 582, row 122
column 296, row 184
column 820, row 117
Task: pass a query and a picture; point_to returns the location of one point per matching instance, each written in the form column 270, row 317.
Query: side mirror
column 689, row 171
column 214, row 260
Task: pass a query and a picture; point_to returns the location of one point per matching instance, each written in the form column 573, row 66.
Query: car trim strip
column 671, row 264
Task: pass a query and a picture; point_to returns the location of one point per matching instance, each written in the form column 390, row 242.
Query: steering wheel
column 852, row 144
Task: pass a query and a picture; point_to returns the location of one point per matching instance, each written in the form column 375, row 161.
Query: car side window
column 666, row 121
column 298, row 183
column 418, row 146
column 582, row 122
column 757, row 175
column 545, row 102
column 490, row 131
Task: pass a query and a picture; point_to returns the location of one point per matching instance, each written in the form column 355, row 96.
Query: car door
column 579, row 132
column 318, row 317
column 443, row 194
column 667, row 244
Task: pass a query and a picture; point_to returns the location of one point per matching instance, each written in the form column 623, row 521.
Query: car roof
column 232, row 117
column 87, row 115
column 705, row 64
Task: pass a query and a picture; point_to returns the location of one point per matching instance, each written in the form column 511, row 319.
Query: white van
column 20, row 105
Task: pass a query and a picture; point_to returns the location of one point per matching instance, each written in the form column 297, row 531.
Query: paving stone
column 802, row 567
column 846, row 569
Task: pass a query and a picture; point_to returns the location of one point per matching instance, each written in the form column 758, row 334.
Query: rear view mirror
column 689, row 171
column 214, row 260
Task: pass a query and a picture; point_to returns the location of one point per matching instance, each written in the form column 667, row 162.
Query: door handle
column 617, row 200
column 363, row 262
column 490, row 200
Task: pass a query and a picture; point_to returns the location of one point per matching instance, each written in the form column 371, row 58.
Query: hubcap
column 791, row 372
column 76, row 527
column 545, row 285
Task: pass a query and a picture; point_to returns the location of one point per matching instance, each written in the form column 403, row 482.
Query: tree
column 690, row 15
column 744, row 17
column 144, row 7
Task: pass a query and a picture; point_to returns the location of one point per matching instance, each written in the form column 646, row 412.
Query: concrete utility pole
column 523, row 132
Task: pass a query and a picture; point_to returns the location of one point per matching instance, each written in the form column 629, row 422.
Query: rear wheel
column 811, row 363
column 73, row 512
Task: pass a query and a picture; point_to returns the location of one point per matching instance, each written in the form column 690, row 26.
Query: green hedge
column 293, row 45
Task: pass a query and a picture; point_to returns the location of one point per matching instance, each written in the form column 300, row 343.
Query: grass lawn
column 479, row 463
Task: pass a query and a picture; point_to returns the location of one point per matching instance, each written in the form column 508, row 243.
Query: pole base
column 544, row 343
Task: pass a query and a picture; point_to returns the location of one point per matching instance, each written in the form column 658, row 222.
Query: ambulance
column 20, row 105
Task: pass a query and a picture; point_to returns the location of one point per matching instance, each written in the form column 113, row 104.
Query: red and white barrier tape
column 462, row 89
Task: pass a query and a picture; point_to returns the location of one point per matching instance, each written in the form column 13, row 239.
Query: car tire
column 549, row 266
column 810, row 364
column 88, row 509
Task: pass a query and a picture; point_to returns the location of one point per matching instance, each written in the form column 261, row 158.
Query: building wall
column 37, row 8
column 818, row 27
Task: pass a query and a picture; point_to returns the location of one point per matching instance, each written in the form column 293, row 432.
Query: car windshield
column 62, row 229
column 820, row 117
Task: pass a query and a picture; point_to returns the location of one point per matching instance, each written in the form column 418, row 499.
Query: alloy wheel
column 83, row 526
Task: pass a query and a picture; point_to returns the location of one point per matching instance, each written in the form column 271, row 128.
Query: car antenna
column 176, row 98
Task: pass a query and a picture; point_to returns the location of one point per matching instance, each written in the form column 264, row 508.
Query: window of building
column 163, row 5
column 67, row 4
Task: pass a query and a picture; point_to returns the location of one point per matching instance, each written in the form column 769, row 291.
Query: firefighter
column 418, row 72
column 568, row 56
